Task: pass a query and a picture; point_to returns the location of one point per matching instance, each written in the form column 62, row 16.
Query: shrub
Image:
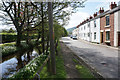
column 30, row 69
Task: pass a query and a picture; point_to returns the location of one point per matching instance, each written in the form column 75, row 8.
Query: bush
column 8, row 50
column 8, row 38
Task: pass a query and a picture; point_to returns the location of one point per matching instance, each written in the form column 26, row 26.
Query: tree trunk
column 19, row 35
column 43, row 44
column 27, row 37
column 56, row 45
column 47, row 44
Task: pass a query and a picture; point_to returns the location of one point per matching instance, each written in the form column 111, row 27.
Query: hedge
column 11, row 49
column 12, row 37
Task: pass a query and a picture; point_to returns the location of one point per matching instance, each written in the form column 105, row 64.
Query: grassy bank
column 60, row 69
column 10, row 48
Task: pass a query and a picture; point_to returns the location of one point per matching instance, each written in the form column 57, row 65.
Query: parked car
column 74, row 37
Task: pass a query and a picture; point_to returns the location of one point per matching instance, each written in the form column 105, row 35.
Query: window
column 94, row 35
column 88, row 24
column 84, row 34
column 107, row 21
column 94, row 23
column 107, row 35
column 84, row 27
column 88, row 34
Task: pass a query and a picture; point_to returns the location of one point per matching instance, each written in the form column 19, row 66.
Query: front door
column 118, row 38
column 101, row 37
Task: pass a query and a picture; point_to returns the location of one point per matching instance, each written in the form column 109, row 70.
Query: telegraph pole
column 51, row 34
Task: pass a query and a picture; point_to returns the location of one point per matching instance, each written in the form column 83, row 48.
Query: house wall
column 90, row 30
column 95, row 29
column 104, row 28
column 117, row 29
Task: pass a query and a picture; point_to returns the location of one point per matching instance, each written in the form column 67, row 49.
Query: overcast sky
column 91, row 6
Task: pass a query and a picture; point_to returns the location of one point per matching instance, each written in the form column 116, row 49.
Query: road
column 102, row 58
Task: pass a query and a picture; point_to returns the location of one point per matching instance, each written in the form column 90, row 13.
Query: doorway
column 101, row 37
column 118, row 38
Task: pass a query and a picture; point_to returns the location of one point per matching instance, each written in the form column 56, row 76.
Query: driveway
column 102, row 58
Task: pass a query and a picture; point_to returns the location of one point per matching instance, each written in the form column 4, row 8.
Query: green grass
column 8, row 44
column 60, row 70
column 8, row 33
column 84, row 72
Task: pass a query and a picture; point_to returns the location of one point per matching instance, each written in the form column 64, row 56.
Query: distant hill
column 71, row 29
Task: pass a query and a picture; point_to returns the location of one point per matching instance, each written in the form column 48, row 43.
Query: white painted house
column 117, row 27
column 95, row 30
column 89, row 30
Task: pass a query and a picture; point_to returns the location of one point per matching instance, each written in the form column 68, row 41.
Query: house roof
column 101, row 15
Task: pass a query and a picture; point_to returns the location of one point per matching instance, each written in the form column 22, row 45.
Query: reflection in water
column 19, row 64
column 12, row 65
column 9, row 67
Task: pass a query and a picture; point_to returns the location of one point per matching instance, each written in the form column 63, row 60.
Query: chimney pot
column 101, row 10
column 113, row 5
column 95, row 14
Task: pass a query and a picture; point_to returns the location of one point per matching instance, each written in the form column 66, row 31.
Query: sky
column 91, row 6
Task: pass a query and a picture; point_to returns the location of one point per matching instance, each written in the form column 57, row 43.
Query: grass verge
column 60, row 70
column 84, row 72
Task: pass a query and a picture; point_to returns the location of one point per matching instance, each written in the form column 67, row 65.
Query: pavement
column 101, row 58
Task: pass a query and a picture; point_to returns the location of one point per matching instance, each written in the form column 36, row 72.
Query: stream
column 14, row 63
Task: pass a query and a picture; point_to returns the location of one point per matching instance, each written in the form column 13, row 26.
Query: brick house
column 107, row 25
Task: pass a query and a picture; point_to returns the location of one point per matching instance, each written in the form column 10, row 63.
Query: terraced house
column 103, row 27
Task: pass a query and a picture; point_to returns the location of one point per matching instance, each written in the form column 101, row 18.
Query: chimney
column 113, row 5
column 87, row 19
column 95, row 14
column 78, row 26
column 101, row 10
column 90, row 17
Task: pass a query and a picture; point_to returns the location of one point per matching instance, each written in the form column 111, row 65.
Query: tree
column 22, row 15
